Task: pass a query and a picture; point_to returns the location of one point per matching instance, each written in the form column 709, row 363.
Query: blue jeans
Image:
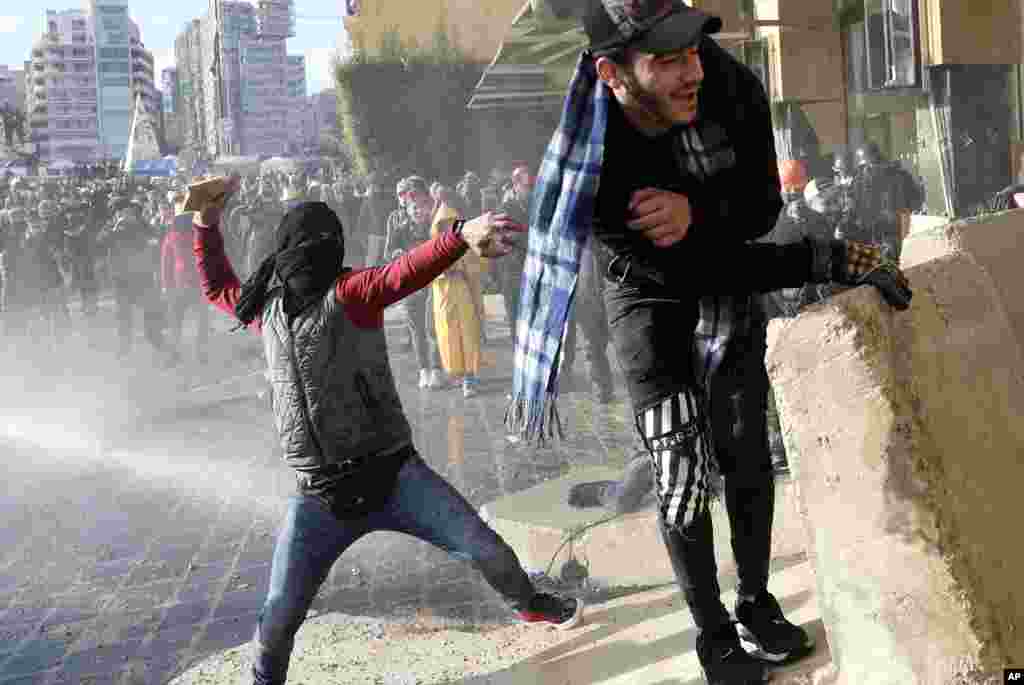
column 311, row 539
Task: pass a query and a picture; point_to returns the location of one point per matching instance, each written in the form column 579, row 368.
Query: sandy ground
column 639, row 639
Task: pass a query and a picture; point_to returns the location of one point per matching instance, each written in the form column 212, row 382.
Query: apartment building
column 86, row 69
column 325, row 112
column 249, row 94
column 9, row 89
column 191, row 93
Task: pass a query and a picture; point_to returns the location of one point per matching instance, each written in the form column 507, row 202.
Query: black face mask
column 308, row 260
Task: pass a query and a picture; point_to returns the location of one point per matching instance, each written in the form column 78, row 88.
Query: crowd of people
column 65, row 241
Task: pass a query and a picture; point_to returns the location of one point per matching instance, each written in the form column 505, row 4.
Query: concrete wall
column 991, row 240
column 904, row 433
column 950, row 31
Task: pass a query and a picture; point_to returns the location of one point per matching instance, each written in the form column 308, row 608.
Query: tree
column 405, row 106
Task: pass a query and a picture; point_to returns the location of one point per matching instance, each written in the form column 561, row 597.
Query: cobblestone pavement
column 128, row 565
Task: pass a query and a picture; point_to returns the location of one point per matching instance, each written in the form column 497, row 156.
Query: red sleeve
column 366, row 292
column 217, row 278
column 166, row 261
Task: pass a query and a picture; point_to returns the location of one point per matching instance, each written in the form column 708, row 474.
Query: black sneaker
column 587, row 495
column 724, row 660
column 771, row 636
column 562, row 612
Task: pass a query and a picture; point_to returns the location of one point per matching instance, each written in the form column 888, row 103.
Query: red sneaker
column 563, row 612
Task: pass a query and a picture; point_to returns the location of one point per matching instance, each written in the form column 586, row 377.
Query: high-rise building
column 9, row 79
column 240, row 81
column 86, row 69
column 188, row 56
column 325, row 111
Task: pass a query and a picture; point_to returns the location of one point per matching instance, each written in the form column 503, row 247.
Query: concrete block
column 991, row 240
column 904, row 436
column 627, row 550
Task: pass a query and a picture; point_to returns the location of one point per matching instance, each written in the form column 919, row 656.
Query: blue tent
column 168, row 166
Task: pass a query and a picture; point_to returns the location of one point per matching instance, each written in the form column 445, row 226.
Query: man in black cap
column 660, row 131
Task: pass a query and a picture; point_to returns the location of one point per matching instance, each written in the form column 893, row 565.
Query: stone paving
column 129, row 565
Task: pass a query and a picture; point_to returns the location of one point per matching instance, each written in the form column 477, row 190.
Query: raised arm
column 220, row 285
column 367, row 292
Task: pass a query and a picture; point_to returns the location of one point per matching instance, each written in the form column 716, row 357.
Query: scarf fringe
column 535, row 421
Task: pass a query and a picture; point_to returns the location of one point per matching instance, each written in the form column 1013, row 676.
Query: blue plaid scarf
column 561, row 214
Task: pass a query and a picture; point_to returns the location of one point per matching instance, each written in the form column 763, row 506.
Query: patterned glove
column 853, row 263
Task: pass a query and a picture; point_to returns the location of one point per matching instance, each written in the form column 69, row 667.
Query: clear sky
column 318, row 25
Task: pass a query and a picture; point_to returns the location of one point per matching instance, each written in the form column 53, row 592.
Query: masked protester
column 12, row 241
column 339, row 415
column 80, row 247
column 133, row 255
column 684, row 177
column 33, row 280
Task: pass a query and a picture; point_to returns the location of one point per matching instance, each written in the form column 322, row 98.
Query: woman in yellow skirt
column 458, row 308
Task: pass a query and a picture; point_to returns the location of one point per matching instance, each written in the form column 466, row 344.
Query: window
column 114, row 67
column 890, row 45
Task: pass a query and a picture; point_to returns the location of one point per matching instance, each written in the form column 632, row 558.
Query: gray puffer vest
column 341, row 373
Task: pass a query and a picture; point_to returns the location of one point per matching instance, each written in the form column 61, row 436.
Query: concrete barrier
column 905, row 439
column 992, row 240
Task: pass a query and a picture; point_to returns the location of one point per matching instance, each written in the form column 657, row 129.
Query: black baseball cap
column 653, row 26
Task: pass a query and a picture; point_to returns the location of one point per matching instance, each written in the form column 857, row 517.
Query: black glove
column 852, row 263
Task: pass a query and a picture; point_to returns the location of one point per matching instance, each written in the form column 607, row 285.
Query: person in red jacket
column 179, row 280
column 339, row 415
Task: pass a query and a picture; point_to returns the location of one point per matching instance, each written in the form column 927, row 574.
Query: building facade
column 325, row 112
column 477, row 28
column 191, row 93
column 85, row 71
column 9, row 79
column 233, row 70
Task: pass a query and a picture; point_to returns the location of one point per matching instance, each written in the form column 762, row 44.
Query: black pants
column 85, row 282
column 419, row 318
column 510, row 278
column 130, row 294
column 179, row 302
column 738, row 403
column 588, row 315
